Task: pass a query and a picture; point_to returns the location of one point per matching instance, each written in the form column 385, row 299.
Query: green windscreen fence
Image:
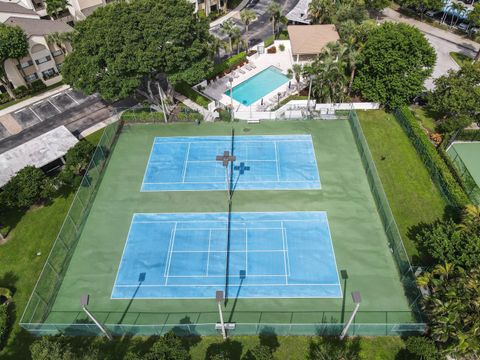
column 40, row 319
column 53, row 272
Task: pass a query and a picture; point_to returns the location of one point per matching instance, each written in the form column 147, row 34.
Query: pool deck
column 281, row 60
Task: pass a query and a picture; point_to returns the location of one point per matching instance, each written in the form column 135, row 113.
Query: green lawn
column 412, row 195
column 425, row 119
column 460, row 58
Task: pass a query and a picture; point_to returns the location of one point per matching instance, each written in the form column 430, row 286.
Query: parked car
column 463, row 27
column 430, row 13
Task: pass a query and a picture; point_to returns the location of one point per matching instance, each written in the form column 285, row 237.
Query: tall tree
column 328, row 73
column 13, row 45
column 453, row 307
column 377, row 4
column 125, row 44
column 247, row 16
column 60, row 39
column 276, row 16
column 296, row 71
column 321, row 11
column 396, row 61
column 474, row 18
column 456, row 97
column 55, row 7
column 232, row 31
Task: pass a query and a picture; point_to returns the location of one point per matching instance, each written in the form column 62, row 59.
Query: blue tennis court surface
column 270, row 255
column 285, row 162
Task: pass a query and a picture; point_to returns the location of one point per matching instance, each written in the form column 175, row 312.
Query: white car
column 463, row 27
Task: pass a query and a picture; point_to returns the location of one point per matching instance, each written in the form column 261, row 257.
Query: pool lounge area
column 258, row 85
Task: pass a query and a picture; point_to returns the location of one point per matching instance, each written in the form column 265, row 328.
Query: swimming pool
column 258, row 86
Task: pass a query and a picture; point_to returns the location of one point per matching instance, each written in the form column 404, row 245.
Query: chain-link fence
column 53, row 272
column 39, row 318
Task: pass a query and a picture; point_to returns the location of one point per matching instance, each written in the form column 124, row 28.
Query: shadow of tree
column 269, row 338
column 227, row 350
column 331, row 348
column 188, row 334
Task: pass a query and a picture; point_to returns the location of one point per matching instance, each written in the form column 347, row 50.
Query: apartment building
column 44, row 59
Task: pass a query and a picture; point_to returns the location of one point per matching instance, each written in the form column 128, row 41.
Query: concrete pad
column 63, row 101
column 10, row 124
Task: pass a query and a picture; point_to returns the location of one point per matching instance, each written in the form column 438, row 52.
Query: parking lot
column 47, row 108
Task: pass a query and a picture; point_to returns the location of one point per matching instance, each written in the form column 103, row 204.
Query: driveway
column 444, row 42
column 444, row 61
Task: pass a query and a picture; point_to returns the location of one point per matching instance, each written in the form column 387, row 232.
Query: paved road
column 261, row 28
column 442, row 41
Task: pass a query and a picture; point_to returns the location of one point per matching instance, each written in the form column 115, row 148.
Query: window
column 31, row 77
column 24, row 64
column 57, row 53
column 47, row 74
column 43, row 60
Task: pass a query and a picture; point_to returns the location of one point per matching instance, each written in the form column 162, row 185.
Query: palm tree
column 321, row 11
column 353, row 57
column 217, row 44
column 457, row 9
column 55, row 7
column 470, row 218
column 60, row 39
column 231, row 30
column 236, row 37
column 296, row 71
column 276, row 16
column 247, row 17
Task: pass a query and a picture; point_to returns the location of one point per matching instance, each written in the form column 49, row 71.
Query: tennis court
column 284, row 162
column 253, row 255
column 469, row 154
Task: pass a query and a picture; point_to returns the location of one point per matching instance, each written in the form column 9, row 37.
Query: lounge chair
column 241, row 71
column 248, row 67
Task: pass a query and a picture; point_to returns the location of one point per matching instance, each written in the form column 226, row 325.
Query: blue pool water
column 258, row 86
column 269, row 255
column 264, row 162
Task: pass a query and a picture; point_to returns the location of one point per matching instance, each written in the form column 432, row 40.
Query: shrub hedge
column 186, row 90
column 3, row 324
column 228, row 64
column 438, row 169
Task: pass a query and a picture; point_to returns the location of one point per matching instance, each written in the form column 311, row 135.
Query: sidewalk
column 393, row 15
column 33, row 100
column 234, row 12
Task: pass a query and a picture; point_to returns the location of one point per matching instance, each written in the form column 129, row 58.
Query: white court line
column 276, row 162
column 208, row 256
column 222, row 251
column 284, row 256
column 221, row 182
column 148, row 166
column 215, row 161
column 223, row 221
column 333, row 253
column 196, row 285
column 246, row 251
column 228, row 141
column 122, row 257
column 170, row 258
column 219, row 276
column 286, row 248
column 185, row 163
column 169, row 250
